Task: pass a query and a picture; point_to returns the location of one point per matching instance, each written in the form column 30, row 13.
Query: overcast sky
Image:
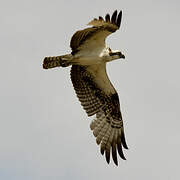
column 44, row 132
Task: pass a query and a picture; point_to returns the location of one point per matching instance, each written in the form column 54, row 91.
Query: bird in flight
column 92, row 86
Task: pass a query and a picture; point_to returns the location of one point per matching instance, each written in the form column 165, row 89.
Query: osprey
column 93, row 88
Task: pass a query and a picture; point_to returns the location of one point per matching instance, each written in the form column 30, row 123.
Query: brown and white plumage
column 93, row 88
column 107, row 127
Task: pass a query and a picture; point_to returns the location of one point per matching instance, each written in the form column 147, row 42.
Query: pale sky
column 44, row 132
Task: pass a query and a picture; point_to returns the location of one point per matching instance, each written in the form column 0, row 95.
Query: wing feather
column 98, row 33
column 107, row 17
column 118, row 22
column 84, row 92
column 113, row 18
column 101, row 18
column 107, row 127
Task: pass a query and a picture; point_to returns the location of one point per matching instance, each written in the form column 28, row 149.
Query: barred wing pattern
column 107, row 127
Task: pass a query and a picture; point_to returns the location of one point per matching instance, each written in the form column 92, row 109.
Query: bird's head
column 115, row 54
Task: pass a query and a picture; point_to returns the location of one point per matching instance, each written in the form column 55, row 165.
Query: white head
column 115, row 54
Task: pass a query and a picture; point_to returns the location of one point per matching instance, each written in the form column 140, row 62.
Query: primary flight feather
column 93, row 88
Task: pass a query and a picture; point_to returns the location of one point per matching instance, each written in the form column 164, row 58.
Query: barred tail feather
column 51, row 62
column 56, row 61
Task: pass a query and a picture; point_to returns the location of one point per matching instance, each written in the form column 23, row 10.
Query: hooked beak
column 121, row 55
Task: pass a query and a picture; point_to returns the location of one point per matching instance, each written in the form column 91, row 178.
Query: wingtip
column 119, row 18
column 115, row 11
column 126, row 147
column 113, row 17
column 101, row 18
column 120, row 151
column 107, row 18
column 107, row 154
column 116, row 163
column 123, row 140
column 108, row 160
column 124, row 158
column 102, row 151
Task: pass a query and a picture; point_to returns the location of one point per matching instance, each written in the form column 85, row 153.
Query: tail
column 57, row 61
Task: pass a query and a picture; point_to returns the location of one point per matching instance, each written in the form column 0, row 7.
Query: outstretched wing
column 98, row 96
column 94, row 38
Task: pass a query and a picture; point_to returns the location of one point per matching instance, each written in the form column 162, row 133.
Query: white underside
column 101, row 78
column 96, row 65
column 86, row 58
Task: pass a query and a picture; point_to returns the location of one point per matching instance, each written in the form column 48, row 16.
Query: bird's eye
column 110, row 50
